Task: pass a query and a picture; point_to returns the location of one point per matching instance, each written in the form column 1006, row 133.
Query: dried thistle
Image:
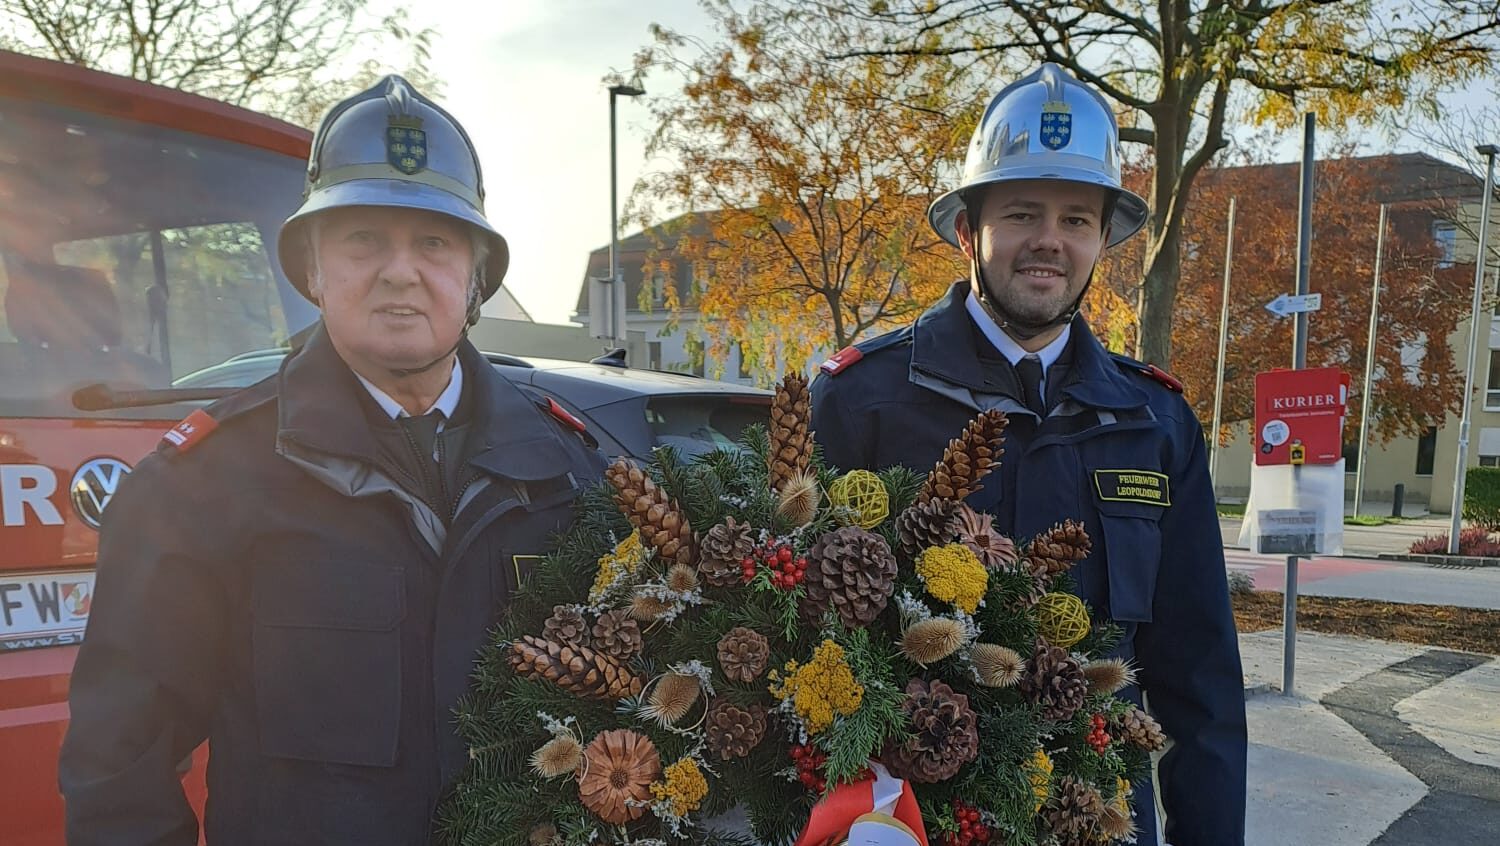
column 647, row 609
column 557, row 757
column 998, row 666
column 1108, row 675
column 681, row 579
column 800, row 497
column 672, row 697
column 932, row 640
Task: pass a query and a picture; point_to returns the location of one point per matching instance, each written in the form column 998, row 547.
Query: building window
column 744, row 365
column 1445, row 235
column 658, row 289
column 1492, row 384
column 1351, row 457
column 653, row 355
column 1489, row 461
column 1426, row 451
column 699, row 363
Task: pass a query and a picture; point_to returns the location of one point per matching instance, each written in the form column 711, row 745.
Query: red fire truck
column 137, row 233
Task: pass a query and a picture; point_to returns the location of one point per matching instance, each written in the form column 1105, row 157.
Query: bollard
column 1398, row 499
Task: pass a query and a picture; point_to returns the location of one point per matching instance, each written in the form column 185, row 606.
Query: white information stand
column 1295, row 510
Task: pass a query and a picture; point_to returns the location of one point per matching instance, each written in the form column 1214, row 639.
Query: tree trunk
column 1158, row 296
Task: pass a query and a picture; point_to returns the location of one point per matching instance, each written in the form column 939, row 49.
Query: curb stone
column 1441, row 560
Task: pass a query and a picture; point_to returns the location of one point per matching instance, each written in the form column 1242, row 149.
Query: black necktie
column 424, row 432
column 1029, row 368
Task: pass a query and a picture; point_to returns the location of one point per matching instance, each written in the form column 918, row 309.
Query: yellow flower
column 1040, row 774
column 953, row 574
column 624, row 560
column 684, row 787
column 1122, row 796
column 821, row 688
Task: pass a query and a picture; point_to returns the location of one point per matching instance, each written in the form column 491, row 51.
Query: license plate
column 44, row 609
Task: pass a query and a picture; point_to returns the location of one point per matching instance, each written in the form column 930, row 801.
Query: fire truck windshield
column 133, row 255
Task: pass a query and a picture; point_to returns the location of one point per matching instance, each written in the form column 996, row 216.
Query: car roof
column 608, row 384
column 587, row 385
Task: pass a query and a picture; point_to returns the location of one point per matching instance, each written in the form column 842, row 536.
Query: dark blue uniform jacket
column 279, row 591
column 1122, row 452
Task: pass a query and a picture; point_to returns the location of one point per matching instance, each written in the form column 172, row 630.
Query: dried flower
column 952, row 573
column 684, row 787
column 820, row 689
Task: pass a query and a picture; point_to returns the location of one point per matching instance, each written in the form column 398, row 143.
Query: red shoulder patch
column 193, row 429
column 841, row 360
column 563, row 415
column 1164, row 377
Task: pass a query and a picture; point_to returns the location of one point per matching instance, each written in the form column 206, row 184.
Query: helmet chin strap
column 472, row 318
column 1014, row 326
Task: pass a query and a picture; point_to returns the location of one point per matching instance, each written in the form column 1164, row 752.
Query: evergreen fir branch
column 902, row 486
column 856, row 738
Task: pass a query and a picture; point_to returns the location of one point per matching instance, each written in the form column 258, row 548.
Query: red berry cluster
column 1099, row 738
column 787, row 569
column 809, row 761
column 971, row 832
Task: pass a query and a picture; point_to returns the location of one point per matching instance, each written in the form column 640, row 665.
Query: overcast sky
column 525, row 78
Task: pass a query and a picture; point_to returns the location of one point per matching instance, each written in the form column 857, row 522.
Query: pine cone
column 733, row 731
column 1058, row 549
column 1138, row 728
column 722, row 550
column 1072, row 811
column 1055, row 681
column 618, row 635
column 944, row 736
column 851, row 571
column 925, row 524
column 743, row 654
column 662, row 523
column 577, row 669
column 967, row 459
column 791, row 442
column 566, row 625
column 977, row 531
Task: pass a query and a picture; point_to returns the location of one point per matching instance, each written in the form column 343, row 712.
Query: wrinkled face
column 1038, row 241
column 393, row 284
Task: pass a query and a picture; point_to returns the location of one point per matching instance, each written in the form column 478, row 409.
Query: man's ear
column 964, row 233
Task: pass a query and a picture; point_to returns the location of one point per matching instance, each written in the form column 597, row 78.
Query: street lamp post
column 617, row 298
column 1489, row 151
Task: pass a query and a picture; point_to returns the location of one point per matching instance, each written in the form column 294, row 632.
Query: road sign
column 1299, row 416
column 1287, row 304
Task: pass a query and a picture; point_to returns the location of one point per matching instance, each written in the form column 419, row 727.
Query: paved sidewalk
column 1383, row 744
column 1362, row 578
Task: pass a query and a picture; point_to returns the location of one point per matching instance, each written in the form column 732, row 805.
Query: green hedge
column 1482, row 497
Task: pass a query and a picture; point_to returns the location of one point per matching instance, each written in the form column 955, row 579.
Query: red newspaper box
column 1299, row 414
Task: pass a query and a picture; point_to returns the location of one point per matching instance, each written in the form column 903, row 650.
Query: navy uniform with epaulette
column 1117, row 448
column 298, row 578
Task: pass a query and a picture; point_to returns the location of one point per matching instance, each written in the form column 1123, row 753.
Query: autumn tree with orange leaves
column 811, row 180
column 1417, row 380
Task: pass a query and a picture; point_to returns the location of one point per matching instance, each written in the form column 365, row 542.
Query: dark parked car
column 629, row 411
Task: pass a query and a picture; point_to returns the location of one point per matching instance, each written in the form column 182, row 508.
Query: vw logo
column 94, row 485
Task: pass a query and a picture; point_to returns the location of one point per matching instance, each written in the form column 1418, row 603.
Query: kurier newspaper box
column 1299, row 416
column 1296, row 502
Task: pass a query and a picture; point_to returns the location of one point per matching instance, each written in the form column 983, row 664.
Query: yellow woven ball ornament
column 864, row 493
column 1062, row 619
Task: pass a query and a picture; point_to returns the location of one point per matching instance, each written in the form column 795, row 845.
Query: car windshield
column 133, row 255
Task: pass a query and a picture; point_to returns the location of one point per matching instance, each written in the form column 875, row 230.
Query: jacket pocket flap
column 330, row 594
